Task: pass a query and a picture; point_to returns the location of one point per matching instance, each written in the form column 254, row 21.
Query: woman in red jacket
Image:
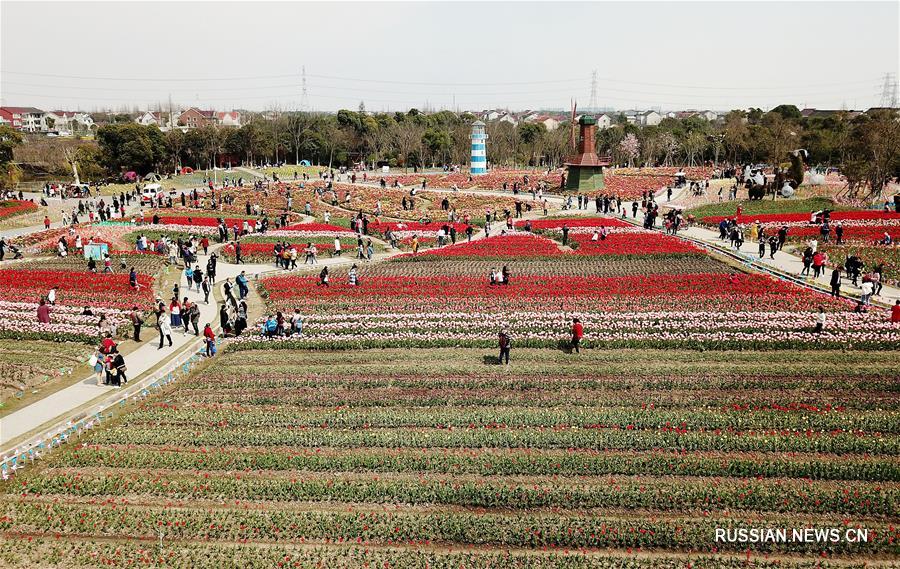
column 577, row 335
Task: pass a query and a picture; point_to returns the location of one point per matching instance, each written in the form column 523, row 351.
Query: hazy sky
column 675, row 55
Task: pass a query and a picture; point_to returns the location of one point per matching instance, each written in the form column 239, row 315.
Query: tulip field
column 12, row 208
column 438, row 458
column 634, row 289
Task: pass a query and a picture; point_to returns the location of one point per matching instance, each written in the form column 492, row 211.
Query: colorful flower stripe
column 199, row 221
column 517, row 245
column 633, row 243
column 686, row 287
column 11, row 208
column 316, row 228
column 573, row 222
column 851, row 233
column 76, row 289
column 856, row 215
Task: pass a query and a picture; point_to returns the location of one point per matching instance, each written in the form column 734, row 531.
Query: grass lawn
column 766, row 206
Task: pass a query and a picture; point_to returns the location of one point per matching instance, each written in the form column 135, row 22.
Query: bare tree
column 300, row 126
column 408, row 137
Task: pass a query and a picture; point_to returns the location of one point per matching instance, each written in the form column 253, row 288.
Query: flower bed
column 871, row 255
column 107, row 290
column 316, row 228
column 573, row 222
column 415, row 458
column 263, row 252
column 501, row 246
column 632, row 243
column 854, row 215
column 12, row 208
column 201, row 221
column 18, row 320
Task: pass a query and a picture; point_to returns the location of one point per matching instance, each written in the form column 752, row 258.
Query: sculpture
column 786, row 181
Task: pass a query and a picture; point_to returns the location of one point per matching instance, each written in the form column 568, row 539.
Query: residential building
column 649, row 118
column 229, row 118
column 69, row 121
column 508, row 117
column 549, row 122
column 26, row 119
column 604, row 121
column 705, row 115
column 159, row 118
column 195, row 118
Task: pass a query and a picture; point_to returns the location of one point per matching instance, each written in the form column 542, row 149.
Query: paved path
column 139, row 361
column 55, row 223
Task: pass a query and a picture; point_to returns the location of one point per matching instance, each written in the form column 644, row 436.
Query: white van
column 151, row 192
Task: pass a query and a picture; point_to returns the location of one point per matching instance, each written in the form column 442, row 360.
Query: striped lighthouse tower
column 479, row 149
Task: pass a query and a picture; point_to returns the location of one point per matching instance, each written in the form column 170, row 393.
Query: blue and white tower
column 479, row 149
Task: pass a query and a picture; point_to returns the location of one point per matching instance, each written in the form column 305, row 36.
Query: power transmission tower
column 593, row 104
column 304, row 97
column 889, row 91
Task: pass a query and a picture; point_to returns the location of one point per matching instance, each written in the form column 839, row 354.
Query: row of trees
column 865, row 147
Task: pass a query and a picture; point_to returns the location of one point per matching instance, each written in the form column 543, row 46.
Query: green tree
column 9, row 140
column 788, row 112
column 874, row 153
column 130, row 146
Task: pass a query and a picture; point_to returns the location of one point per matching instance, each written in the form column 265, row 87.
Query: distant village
column 80, row 123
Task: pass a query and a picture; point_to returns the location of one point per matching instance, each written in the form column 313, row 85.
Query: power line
column 694, row 87
column 304, row 86
column 304, row 95
column 167, row 80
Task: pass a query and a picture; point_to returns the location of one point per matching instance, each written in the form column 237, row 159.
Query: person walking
column 807, row 261
column 243, row 285
column 773, row 246
column 165, row 331
column 577, row 335
column 229, row 295
column 836, row 282
column 505, row 343
column 198, row 276
column 118, row 364
column 194, row 316
column 204, row 286
column 818, row 261
column 211, row 268
column 337, row 247
column 186, row 314
column 137, row 321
